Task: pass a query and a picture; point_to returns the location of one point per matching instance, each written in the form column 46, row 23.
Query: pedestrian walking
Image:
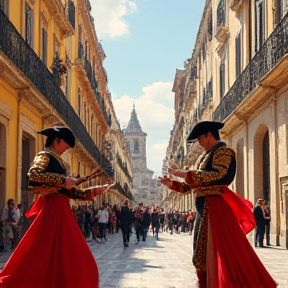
column 125, row 220
column 103, row 217
column 155, row 223
column 267, row 216
column 223, row 257
column 145, row 223
column 260, row 222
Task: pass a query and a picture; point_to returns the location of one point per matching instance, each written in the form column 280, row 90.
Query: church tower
column 136, row 143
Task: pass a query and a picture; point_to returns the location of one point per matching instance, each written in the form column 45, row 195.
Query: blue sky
column 145, row 41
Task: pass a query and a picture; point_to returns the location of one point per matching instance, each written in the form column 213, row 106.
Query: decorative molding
column 28, row 125
column 5, row 110
column 44, row 21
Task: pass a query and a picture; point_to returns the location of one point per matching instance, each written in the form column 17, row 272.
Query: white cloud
column 109, row 16
column 156, row 115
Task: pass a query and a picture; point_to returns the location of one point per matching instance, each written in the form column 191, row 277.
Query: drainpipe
column 18, row 153
column 276, row 172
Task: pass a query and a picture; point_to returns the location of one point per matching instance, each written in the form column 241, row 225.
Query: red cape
column 53, row 252
column 231, row 261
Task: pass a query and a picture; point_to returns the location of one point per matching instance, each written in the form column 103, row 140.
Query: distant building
column 145, row 186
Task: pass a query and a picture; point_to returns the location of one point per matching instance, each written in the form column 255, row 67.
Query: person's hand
column 70, row 182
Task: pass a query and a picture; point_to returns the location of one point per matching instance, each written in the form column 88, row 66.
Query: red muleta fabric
column 231, row 260
column 53, row 252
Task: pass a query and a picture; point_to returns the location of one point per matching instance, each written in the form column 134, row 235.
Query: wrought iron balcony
column 25, row 59
column 84, row 63
column 274, row 48
column 124, row 168
column 90, row 74
column 207, row 97
column 125, row 192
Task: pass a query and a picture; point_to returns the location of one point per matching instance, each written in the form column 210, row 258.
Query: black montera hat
column 60, row 131
column 204, row 127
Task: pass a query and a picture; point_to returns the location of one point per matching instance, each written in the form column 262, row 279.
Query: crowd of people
column 135, row 222
column 95, row 224
column 13, row 225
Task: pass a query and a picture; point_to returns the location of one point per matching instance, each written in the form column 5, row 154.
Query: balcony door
column 260, row 23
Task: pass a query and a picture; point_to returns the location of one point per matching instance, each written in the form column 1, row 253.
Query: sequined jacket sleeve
column 221, row 161
column 181, row 187
column 37, row 173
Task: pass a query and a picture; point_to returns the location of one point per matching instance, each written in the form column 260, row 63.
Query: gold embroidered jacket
column 217, row 167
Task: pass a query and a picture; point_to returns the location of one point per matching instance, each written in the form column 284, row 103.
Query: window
column 238, row 54
column 260, row 24
column 4, row 5
column 79, row 168
column 44, row 46
column 29, row 25
column 222, row 80
column 84, row 114
column 136, row 145
column 79, row 103
column 144, row 182
column 92, row 127
column 67, row 84
column 88, row 118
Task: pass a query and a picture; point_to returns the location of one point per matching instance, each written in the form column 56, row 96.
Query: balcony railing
column 207, row 97
column 93, row 82
column 123, row 167
column 275, row 47
column 26, row 60
column 125, row 192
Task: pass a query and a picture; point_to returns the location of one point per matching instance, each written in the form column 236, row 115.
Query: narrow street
column 165, row 263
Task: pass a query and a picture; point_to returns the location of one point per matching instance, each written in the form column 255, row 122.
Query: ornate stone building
column 145, row 186
column 51, row 73
column 237, row 74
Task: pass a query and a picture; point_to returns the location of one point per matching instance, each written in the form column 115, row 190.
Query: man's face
column 60, row 146
column 262, row 203
column 204, row 139
column 11, row 205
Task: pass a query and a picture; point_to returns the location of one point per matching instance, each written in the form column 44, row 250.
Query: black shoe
column 126, row 245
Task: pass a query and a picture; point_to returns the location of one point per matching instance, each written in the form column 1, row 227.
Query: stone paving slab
column 166, row 263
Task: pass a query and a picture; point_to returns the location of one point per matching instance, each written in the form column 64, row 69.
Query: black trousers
column 125, row 233
column 199, row 203
column 259, row 234
column 267, row 232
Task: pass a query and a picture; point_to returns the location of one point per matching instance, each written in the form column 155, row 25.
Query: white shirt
column 16, row 215
column 103, row 216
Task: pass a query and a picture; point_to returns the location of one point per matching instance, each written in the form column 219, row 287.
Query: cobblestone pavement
column 165, row 263
column 162, row 264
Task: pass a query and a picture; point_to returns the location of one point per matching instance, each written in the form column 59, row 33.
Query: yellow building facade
column 237, row 74
column 51, row 73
